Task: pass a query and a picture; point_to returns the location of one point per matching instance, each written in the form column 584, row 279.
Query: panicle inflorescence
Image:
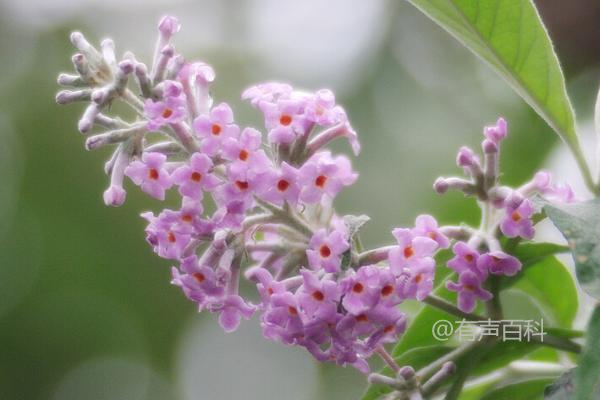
column 505, row 212
column 262, row 208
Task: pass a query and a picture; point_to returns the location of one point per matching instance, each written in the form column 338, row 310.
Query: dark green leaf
column 510, row 37
column 552, row 287
column 531, row 253
column 580, row 225
column 587, row 374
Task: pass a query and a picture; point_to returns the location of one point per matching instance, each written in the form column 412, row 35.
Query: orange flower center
column 361, row 318
column 283, row 185
column 216, row 129
column 320, row 181
column 358, row 287
column 469, row 287
column 153, row 174
column 469, row 257
column 418, row 278
column 318, row 295
column 171, row 237
column 325, row 251
column 408, row 252
column 199, row 277
column 292, row 310
column 167, row 112
column 515, row 216
column 187, row 218
column 196, row 176
column 387, row 290
column 243, row 155
column 285, row 120
column 242, row 185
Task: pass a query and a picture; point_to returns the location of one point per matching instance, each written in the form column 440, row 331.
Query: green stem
column 548, row 339
column 494, row 306
column 430, row 369
column 450, row 308
column 584, row 168
column 472, row 358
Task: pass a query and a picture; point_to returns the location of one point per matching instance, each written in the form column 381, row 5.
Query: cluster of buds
column 262, row 208
column 505, row 211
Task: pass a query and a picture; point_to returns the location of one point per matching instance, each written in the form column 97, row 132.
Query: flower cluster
column 506, row 211
column 280, row 189
column 262, row 208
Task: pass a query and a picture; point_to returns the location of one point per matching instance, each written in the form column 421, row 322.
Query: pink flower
column 318, row 298
column 499, row 263
column 215, row 128
column 426, row 225
column 268, row 92
column 284, row 119
column 411, row 251
column 465, row 259
column 517, row 220
column 195, row 177
column 362, row 290
column 150, row 174
column 245, row 153
column 469, row 290
column 283, row 186
column 322, row 110
column 171, row 109
column 325, row 250
column 324, row 175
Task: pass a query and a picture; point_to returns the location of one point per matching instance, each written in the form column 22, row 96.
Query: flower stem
column 547, row 340
column 430, row 369
column 374, row 256
column 387, row 358
column 584, row 168
column 450, row 308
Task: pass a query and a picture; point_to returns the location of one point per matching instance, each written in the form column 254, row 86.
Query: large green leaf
column 551, row 286
column 510, row 37
column 580, row 225
column 587, row 384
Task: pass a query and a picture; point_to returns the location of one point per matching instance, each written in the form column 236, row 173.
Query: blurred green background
column 86, row 309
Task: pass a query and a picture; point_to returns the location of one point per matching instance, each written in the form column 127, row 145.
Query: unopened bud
column 70, row 96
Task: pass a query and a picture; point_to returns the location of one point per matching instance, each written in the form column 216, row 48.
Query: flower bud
column 489, row 147
column 498, row 132
column 466, row 157
column 168, row 26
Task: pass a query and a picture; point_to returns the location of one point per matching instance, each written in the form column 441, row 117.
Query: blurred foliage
column 77, row 280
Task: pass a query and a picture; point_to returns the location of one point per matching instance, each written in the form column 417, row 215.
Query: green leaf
column 587, row 384
column 562, row 388
column 531, row 253
column 551, row 286
column 527, row 390
column 510, row 37
column 353, row 223
column 580, row 225
column 417, row 358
